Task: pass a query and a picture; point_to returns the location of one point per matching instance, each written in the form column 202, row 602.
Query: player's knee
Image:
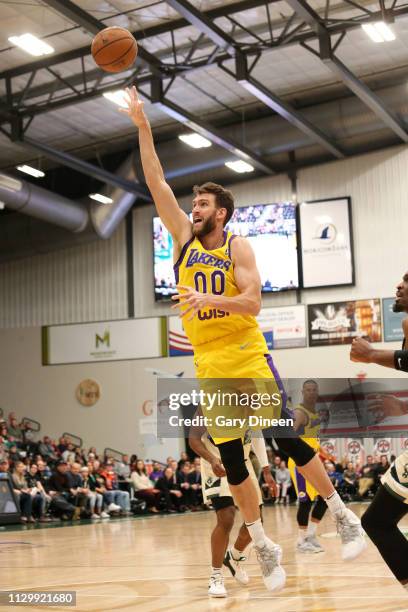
column 225, row 518
column 233, row 460
column 297, row 449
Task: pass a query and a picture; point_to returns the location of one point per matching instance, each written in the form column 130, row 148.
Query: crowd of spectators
column 55, row 480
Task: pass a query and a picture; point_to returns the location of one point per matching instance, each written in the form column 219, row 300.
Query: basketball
column 114, row 49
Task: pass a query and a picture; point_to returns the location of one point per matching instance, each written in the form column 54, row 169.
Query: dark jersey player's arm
column 248, row 281
column 363, row 352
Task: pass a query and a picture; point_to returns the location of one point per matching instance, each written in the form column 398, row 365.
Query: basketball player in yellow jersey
column 220, row 295
column 307, row 424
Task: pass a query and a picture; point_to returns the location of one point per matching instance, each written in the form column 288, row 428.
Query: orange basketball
column 114, row 49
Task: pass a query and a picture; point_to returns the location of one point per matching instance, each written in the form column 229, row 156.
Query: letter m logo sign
column 102, row 340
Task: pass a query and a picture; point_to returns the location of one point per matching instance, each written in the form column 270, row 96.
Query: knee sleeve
column 297, row 449
column 232, row 457
column 319, row 509
column 303, row 512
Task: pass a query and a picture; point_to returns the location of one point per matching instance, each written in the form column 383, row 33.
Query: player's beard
column 399, row 307
column 207, row 227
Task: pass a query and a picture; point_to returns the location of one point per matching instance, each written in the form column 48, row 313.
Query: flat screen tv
column 271, row 231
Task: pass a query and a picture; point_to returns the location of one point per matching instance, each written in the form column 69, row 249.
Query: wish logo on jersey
column 197, row 257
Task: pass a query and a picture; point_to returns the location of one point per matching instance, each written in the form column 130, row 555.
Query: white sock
column 256, row 531
column 216, row 570
column 311, row 528
column 302, row 535
column 334, row 503
column 236, row 554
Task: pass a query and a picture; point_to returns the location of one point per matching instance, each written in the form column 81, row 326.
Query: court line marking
column 99, row 582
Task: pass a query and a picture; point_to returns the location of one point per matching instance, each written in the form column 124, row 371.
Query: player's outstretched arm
column 175, row 219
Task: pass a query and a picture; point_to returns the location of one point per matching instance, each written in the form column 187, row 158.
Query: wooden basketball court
column 162, row 563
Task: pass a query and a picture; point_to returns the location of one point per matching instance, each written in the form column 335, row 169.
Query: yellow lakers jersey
column 210, row 272
column 310, row 432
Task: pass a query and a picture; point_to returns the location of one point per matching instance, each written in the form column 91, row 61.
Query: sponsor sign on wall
column 392, row 321
column 104, row 341
column 326, row 243
column 341, row 322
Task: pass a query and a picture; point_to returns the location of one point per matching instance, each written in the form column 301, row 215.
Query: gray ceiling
column 289, row 71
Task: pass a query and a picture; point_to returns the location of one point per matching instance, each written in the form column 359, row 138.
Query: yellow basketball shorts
column 238, row 373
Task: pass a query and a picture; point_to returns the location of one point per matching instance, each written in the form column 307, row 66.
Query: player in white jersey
column 216, row 492
column 390, row 503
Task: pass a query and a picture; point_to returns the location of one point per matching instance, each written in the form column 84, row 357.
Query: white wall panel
column 378, row 186
column 83, row 283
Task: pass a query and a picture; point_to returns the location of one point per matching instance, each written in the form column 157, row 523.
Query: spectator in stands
column 144, row 488
column 79, row 493
column 383, row 466
column 113, row 494
column 265, row 488
column 62, row 445
column 133, row 460
column 14, row 454
column 182, row 479
column 367, row 478
column 194, row 479
column 283, row 480
column 47, row 451
column 174, row 466
column 44, row 471
column 335, row 477
column 156, row 472
column 80, row 456
column 169, row 461
column 95, row 499
column 28, row 439
column 183, row 458
column 59, row 490
column 22, row 492
column 171, row 491
column 69, row 453
column 4, row 466
column 14, row 429
column 38, row 494
column 92, row 451
column 350, row 480
column 122, row 471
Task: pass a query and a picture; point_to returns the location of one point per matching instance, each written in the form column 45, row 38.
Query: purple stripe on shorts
column 281, row 388
column 301, row 486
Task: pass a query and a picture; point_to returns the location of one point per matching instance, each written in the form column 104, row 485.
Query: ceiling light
column 117, row 97
column 379, row 31
column 239, row 166
column 31, row 171
column 31, row 44
column 195, row 140
column 100, row 198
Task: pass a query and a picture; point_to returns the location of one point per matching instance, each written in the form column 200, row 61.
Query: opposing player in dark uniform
column 390, row 503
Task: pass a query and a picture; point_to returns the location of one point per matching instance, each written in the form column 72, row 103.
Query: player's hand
column 134, row 108
column 270, row 481
column 218, row 468
column 383, row 406
column 361, row 351
column 191, row 300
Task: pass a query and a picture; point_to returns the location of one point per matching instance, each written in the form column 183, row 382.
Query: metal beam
column 205, row 129
column 390, row 119
column 75, row 14
column 203, row 23
column 93, row 25
column 281, row 107
column 89, row 169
